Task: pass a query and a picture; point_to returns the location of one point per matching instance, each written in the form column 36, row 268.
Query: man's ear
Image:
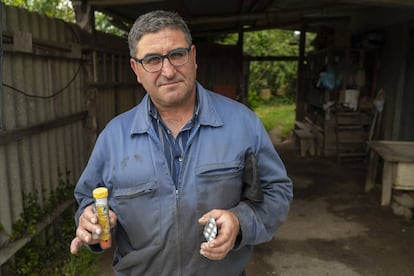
column 195, row 55
column 134, row 66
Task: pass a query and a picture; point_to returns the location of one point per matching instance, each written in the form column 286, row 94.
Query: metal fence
column 60, row 86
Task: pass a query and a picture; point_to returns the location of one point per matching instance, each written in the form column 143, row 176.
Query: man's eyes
column 175, row 55
column 152, row 60
column 178, row 54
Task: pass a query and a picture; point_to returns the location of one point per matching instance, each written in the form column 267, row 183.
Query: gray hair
column 153, row 22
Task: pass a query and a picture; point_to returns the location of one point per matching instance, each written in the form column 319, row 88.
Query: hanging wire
column 45, row 97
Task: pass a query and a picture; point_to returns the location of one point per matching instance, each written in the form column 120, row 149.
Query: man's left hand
column 228, row 226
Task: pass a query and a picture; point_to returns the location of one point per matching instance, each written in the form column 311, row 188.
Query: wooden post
column 84, row 15
column 300, row 89
column 1, row 69
column 372, row 170
column 242, row 89
column 387, row 179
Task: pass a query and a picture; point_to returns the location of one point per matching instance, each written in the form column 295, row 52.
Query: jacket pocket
column 131, row 192
column 219, row 185
column 219, row 169
column 138, row 209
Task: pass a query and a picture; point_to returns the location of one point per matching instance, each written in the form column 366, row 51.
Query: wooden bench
column 306, row 141
column 398, row 157
column 310, row 137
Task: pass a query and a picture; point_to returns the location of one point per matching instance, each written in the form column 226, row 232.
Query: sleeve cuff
column 243, row 212
column 95, row 248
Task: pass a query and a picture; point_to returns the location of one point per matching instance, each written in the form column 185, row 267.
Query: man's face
column 172, row 86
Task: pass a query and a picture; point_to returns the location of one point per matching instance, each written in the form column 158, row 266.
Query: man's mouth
column 169, row 83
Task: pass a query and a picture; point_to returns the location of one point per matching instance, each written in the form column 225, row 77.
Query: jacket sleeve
column 260, row 218
column 91, row 177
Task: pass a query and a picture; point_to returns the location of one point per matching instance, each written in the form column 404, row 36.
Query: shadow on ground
column 334, row 226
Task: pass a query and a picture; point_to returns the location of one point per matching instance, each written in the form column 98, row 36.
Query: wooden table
column 398, row 172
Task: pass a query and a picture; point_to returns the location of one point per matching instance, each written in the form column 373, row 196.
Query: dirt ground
column 334, row 227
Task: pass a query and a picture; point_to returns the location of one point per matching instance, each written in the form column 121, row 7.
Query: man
column 184, row 155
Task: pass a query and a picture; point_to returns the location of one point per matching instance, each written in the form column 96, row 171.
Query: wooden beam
column 20, row 133
column 272, row 58
column 53, row 45
column 290, row 24
column 120, row 2
column 381, row 3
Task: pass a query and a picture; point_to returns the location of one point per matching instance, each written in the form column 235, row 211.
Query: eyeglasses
column 154, row 63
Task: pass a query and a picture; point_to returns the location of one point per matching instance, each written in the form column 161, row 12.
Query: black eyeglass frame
column 167, row 55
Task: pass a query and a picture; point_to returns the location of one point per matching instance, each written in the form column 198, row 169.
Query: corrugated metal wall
column 58, row 91
column 113, row 83
column 34, row 77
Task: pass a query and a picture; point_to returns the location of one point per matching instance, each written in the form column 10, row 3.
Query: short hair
column 153, row 22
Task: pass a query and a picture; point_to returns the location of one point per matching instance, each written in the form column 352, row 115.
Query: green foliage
column 63, row 9
column 103, row 23
column 278, row 112
column 82, row 264
column 53, row 8
column 63, row 192
column 228, row 39
column 254, row 99
column 26, row 224
column 271, row 75
column 48, row 253
column 274, row 42
column 33, row 212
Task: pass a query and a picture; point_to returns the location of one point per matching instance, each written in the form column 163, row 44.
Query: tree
column 63, row 9
column 273, row 75
column 53, row 8
column 103, row 23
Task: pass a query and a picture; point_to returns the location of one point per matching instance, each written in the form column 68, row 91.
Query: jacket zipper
column 178, row 232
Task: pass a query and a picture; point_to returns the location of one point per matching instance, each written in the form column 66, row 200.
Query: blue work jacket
column 158, row 231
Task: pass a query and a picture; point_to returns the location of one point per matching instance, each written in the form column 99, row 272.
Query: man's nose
column 167, row 68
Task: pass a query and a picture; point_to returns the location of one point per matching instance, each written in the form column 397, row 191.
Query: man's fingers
column 112, row 218
column 75, row 245
column 88, row 224
column 86, row 228
column 89, row 230
column 211, row 214
column 228, row 227
column 83, row 235
column 203, row 220
column 89, row 214
column 213, row 253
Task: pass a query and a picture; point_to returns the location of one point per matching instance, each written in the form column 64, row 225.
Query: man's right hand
column 88, row 224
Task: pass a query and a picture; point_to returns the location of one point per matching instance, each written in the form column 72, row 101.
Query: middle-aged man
column 182, row 156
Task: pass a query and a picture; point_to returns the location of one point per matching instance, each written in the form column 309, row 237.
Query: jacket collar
column 207, row 113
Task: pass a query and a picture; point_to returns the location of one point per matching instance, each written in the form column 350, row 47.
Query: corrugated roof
column 207, row 17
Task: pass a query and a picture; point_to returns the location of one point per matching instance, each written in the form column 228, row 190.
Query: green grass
column 279, row 115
